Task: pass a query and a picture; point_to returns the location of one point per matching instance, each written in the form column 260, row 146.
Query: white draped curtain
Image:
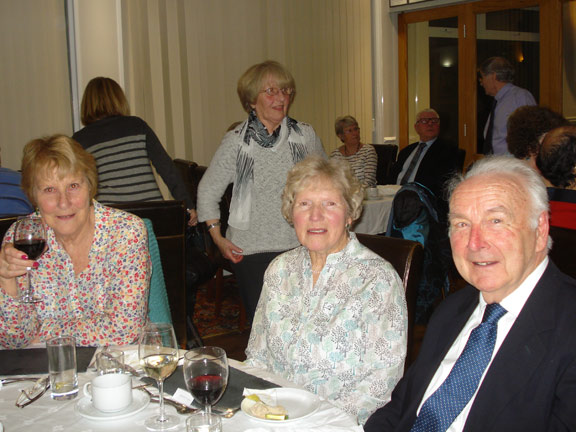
column 182, row 60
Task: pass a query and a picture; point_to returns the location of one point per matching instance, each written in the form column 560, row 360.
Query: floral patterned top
column 343, row 338
column 105, row 304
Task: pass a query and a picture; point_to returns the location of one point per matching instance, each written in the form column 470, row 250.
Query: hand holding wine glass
column 206, row 374
column 30, row 238
column 158, row 354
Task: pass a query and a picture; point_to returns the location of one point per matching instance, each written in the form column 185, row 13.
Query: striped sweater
column 123, row 147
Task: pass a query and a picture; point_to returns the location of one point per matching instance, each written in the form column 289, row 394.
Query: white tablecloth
column 47, row 415
column 375, row 212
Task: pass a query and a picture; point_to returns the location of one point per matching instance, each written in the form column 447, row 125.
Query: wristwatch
column 214, row 225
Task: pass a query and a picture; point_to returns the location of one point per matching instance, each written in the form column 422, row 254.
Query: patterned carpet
column 204, row 312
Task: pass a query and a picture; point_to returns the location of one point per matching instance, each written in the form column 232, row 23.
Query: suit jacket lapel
column 519, row 357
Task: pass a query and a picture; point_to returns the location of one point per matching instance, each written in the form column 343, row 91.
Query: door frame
column 550, row 21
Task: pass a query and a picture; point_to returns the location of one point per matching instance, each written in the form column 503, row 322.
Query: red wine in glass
column 30, row 238
column 207, row 389
column 33, row 247
column 206, row 374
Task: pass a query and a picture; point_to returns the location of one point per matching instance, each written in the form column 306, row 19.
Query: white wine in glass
column 158, row 354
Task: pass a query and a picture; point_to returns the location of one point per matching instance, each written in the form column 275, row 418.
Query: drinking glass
column 206, row 374
column 30, row 238
column 158, row 354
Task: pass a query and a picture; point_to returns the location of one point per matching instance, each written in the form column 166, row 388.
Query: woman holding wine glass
column 92, row 279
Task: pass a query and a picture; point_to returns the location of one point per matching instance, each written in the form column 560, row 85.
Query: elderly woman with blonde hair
column 256, row 156
column 332, row 314
column 93, row 278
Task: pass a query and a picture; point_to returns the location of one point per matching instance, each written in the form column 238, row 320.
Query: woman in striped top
column 362, row 157
column 123, row 147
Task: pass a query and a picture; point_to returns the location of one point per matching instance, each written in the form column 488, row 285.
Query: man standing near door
column 496, row 76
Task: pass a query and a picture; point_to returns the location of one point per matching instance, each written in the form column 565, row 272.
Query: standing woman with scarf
column 256, row 157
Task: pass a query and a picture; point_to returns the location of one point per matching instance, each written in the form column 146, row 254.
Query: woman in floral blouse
column 332, row 314
column 93, row 278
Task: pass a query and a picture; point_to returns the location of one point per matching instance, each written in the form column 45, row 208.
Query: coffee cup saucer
column 140, row 400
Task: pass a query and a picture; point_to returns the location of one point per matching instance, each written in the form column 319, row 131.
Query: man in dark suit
column 499, row 238
column 431, row 163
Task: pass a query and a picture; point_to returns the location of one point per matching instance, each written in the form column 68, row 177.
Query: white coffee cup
column 110, row 392
column 372, row 192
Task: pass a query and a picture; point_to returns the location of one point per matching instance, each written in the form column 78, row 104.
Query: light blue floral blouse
column 343, row 338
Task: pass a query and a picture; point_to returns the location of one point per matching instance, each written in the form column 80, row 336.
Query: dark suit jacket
column 530, row 385
column 438, row 164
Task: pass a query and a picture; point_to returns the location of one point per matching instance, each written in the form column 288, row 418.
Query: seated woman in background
column 93, row 278
column 123, row 147
column 361, row 157
column 332, row 315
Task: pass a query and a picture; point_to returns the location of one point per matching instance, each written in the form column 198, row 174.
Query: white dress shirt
column 513, row 303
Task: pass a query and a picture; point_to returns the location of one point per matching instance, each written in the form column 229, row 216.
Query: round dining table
column 48, row 415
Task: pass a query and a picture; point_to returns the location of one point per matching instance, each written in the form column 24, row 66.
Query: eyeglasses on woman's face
column 274, row 91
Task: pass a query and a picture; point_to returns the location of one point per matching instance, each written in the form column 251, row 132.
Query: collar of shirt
column 513, row 303
column 502, row 92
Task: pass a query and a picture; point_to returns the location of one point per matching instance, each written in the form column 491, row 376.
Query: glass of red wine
column 30, row 238
column 206, row 374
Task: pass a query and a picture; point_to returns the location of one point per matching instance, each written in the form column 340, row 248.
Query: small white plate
column 140, row 400
column 298, row 403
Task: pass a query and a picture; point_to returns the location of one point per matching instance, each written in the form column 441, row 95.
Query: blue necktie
column 440, row 409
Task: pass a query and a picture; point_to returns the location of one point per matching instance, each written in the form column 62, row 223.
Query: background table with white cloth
column 48, row 415
column 376, row 211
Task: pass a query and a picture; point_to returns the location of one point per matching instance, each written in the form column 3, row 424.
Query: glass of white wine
column 158, row 354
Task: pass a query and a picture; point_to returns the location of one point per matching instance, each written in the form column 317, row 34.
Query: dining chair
column 386, row 157
column 563, row 249
column 192, row 174
column 406, row 257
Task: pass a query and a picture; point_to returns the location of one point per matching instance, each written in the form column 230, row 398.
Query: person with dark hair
column 527, row 126
column 557, row 163
column 499, row 355
column 124, row 146
column 497, row 76
column 256, row 156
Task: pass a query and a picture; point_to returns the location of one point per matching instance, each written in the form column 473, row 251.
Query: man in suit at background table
column 527, row 380
column 431, row 161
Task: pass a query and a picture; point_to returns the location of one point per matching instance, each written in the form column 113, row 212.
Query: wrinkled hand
column 229, row 250
column 13, row 263
column 193, row 220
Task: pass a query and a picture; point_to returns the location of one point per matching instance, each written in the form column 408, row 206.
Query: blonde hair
column 342, row 122
column 251, row 82
column 315, row 168
column 58, row 153
column 103, row 98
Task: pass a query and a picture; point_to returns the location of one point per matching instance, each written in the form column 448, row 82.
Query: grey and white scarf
column 253, row 133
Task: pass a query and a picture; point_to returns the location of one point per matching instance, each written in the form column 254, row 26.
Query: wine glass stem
column 208, row 409
column 162, row 417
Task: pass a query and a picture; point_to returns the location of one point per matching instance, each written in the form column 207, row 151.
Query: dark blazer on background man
column 439, row 163
column 531, row 383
